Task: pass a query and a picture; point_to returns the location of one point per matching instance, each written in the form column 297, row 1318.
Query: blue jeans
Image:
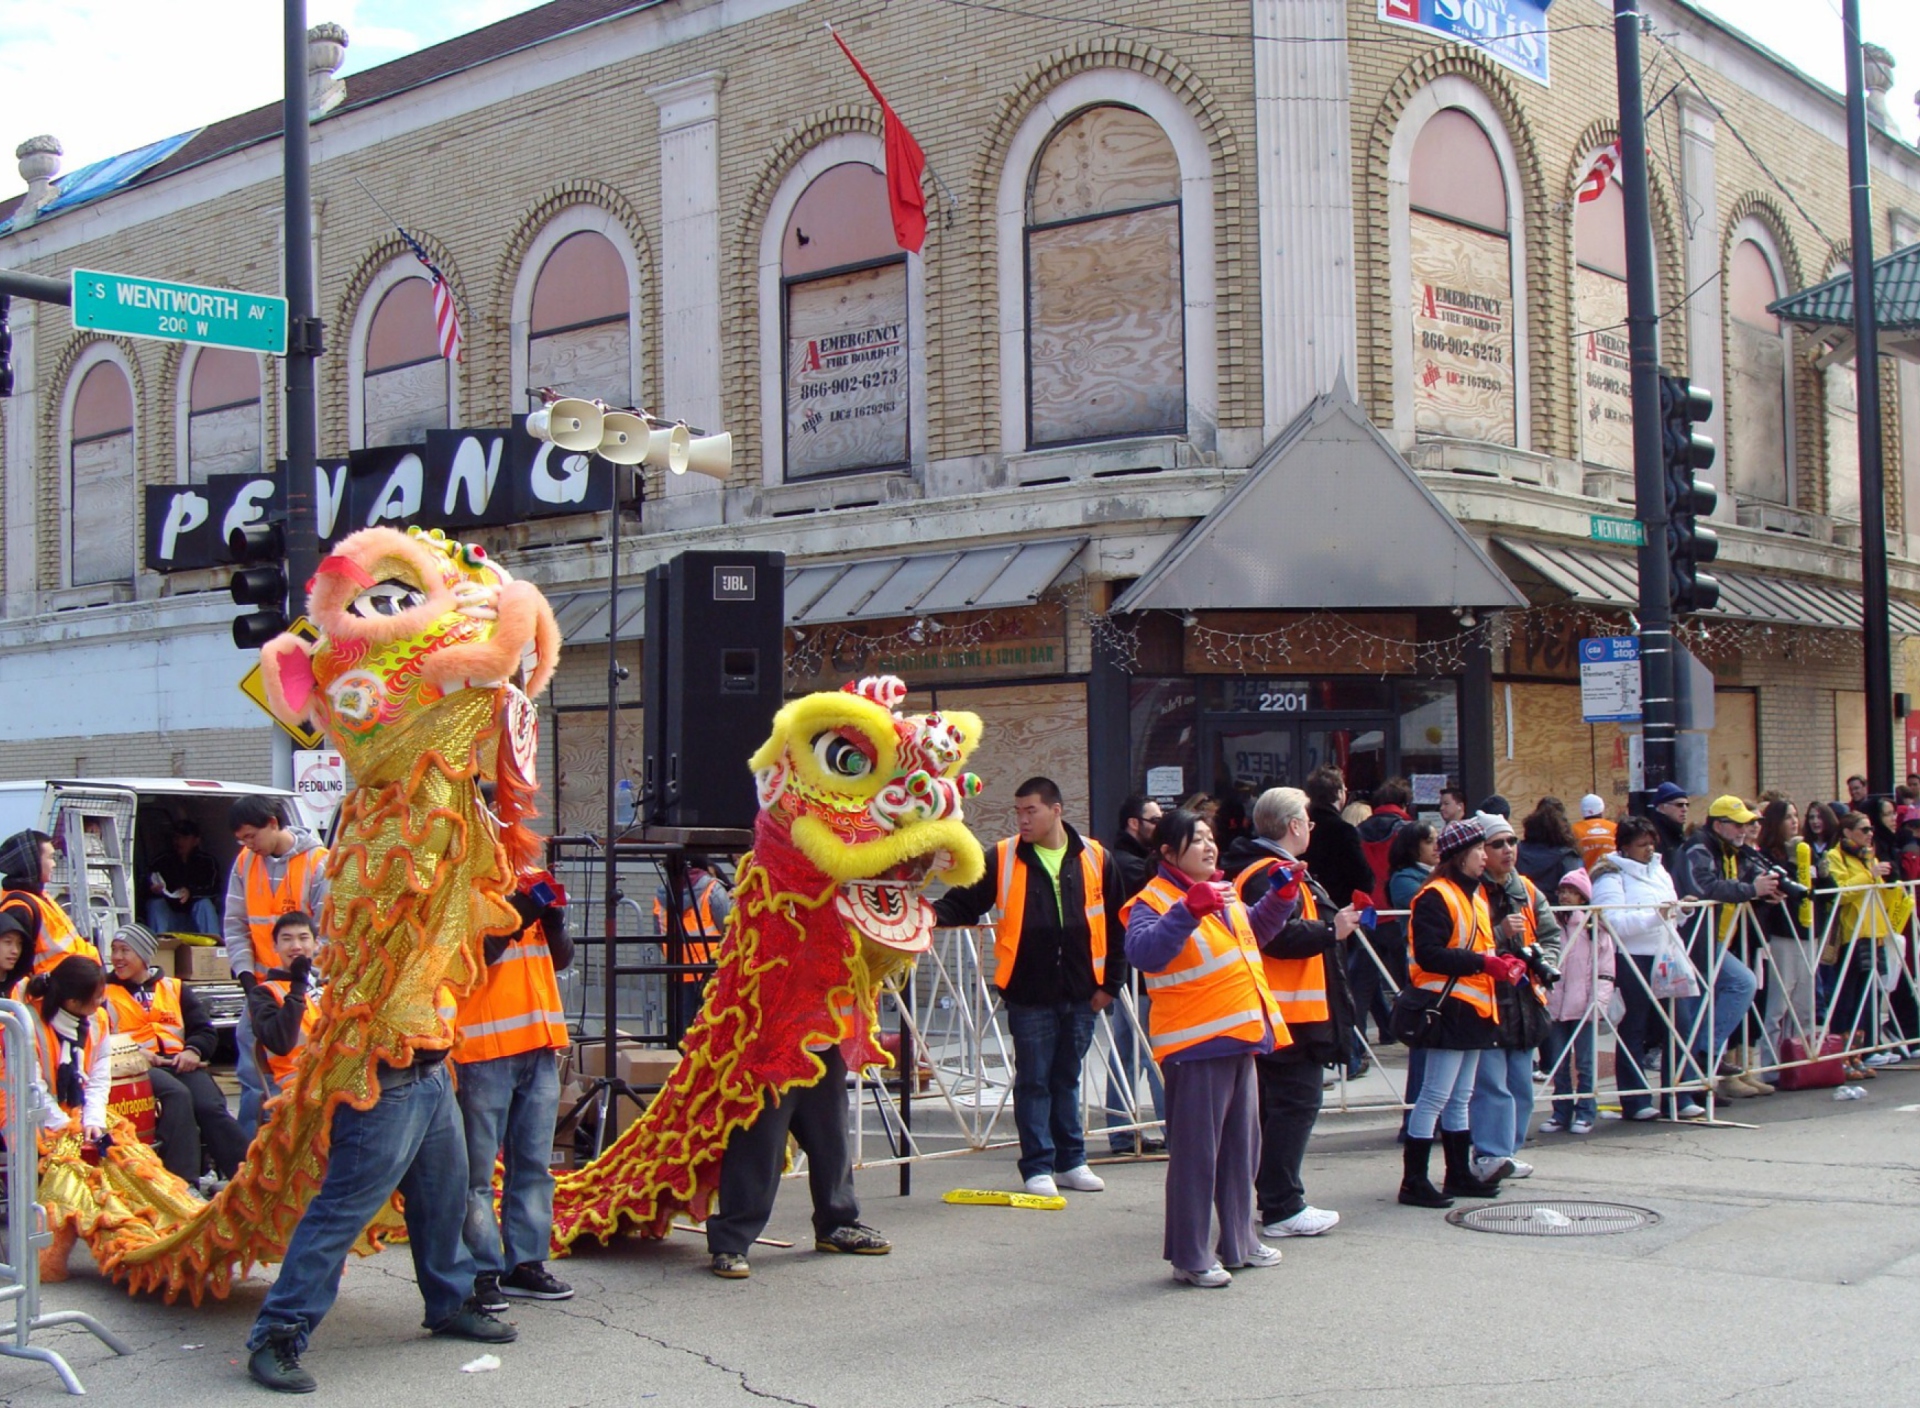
column 1122, row 1066
column 509, row 1106
column 253, row 1091
column 1733, row 989
column 166, row 917
column 1446, row 1089
column 1049, row 1044
column 409, row 1142
column 1502, row 1105
column 1571, row 1053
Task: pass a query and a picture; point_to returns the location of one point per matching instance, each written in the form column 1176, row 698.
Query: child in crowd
column 284, row 1004
column 1576, row 1004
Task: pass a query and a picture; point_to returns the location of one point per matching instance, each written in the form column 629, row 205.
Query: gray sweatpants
column 1213, row 1146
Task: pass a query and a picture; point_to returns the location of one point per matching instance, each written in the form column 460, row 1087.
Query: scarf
column 69, row 1084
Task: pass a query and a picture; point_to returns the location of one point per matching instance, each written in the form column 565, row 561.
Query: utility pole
column 1876, row 648
column 303, row 327
column 1649, row 464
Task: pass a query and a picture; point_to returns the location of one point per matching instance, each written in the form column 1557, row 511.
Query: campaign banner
column 1510, row 32
column 1462, row 332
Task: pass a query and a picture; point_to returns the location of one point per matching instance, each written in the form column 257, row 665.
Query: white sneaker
column 1212, row 1278
column 1521, row 1169
column 1692, row 1110
column 1081, row 1180
column 1645, row 1113
column 1488, row 1169
column 1041, row 1185
column 1882, row 1058
column 1583, row 1125
column 1308, row 1222
column 1262, row 1255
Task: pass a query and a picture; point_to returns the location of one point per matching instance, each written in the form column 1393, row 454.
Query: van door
column 93, row 880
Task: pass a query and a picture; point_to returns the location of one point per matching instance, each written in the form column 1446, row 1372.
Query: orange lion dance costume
column 859, row 805
column 428, row 655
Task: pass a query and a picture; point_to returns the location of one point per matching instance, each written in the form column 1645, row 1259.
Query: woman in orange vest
column 76, row 1069
column 26, row 863
column 1450, row 941
column 1199, row 948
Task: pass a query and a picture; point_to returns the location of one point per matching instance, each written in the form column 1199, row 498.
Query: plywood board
column 580, row 769
column 1849, row 737
column 1031, row 730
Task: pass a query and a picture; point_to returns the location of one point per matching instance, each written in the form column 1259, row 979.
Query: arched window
column 579, row 337
column 847, row 335
column 404, row 389
column 1106, row 337
column 1461, row 261
column 101, row 474
column 1843, row 435
column 1600, row 312
column 223, row 414
column 1756, row 414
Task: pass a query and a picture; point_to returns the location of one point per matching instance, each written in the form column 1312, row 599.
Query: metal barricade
column 26, row 1220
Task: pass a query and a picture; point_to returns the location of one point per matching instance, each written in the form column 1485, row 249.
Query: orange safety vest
column 49, row 1042
column 161, row 1029
column 1594, row 836
column 280, row 1067
column 1298, row 984
column 1472, row 929
column 696, row 919
column 1215, row 985
column 518, row 1007
column 266, row 902
column 1013, row 907
column 59, row 937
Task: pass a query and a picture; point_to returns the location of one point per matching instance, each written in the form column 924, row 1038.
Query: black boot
column 1416, row 1189
column 1458, row 1146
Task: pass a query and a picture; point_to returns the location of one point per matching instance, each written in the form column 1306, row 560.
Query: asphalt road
column 1785, row 1269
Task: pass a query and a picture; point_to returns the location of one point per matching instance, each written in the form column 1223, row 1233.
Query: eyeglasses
column 1506, row 843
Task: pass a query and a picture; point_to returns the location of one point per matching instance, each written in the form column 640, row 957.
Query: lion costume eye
column 389, row 598
column 841, row 756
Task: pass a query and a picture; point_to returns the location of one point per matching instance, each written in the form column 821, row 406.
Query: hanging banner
column 1511, row 32
column 1462, row 331
column 847, row 373
column 1606, row 372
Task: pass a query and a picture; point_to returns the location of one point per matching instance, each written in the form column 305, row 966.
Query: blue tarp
column 103, row 178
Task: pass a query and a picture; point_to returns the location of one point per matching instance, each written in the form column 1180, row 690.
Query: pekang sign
column 457, row 479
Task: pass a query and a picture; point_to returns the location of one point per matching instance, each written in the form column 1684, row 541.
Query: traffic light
column 6, row 346
column 1684, row 451
column 260, row 581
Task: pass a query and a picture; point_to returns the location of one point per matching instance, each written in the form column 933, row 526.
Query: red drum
column 130, row 1097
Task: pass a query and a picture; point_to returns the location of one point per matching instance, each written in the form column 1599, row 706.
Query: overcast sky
column 106, row 76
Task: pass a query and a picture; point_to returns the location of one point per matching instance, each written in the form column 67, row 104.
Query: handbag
column 1822, row 1074
column 1671, row 974
column 1415, row 1017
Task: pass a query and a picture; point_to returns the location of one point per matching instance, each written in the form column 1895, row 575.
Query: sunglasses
column 1505, row 843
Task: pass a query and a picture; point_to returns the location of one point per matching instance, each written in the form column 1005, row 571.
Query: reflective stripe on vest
column 59, row 937
column 1214, row 986
column 696, row 919
column 160, row 1029
column 1013, row 907
column 49, row 1047
column 1299, row 985
column 1472, row 929
column 280, row 1067
column 517, row 1009
column 267, row 902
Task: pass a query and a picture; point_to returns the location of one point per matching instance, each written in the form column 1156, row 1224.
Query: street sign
column 253, row 685
column 1628, row 531
column 1610, row 679
column 219, row 317
column 320, row 785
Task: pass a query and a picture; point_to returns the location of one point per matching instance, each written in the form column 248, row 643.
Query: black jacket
column 1136, row 864
column 1699, row 872
column 193, row 1015
column 1314, row 1043
column 552, row 920
column 1544, row 864
column 1055, row 959
column 1334, row 855
column 1462, row 1028
column 1672, row 837
column 276, row 1024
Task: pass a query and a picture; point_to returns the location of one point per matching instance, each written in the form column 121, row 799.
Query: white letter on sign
column 400, row 498
column 184, row 514
column 476, row 473
column 249, row 506
column 567, row 487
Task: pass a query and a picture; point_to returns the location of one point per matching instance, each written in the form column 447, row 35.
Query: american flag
column 446, row 317
column 1599, row 171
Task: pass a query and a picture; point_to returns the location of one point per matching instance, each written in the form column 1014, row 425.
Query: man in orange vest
column 280, row 869
column 26, row 868
column 512, row 1031
column 1059, row 960
column 1306, row 969
column 704, row 906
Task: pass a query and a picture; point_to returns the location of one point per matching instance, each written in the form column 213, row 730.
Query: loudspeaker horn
column 669, row 448
column 623, row 437
column 711, row 455
column 570, row 423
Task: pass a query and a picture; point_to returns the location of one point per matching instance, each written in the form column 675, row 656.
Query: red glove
column 1505, row 968
column 1203, row 899
column 1286, row 879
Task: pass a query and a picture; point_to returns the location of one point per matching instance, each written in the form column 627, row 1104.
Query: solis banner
column 1513, row 32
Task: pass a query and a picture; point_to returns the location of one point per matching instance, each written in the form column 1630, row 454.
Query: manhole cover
column 1554, row 1219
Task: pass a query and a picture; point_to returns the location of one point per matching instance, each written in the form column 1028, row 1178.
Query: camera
column 1538, row 964
column 1790, row 888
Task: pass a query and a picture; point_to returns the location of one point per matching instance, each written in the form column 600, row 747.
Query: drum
column 130, row 1097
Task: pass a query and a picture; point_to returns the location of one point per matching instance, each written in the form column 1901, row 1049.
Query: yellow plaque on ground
column 993, row 1197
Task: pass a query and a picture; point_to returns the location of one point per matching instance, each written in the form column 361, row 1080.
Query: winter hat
column 1668, row 792
column 1495, row 805
column 1493, row 825
column 1580, row 880
column 20, row 860
column 1592, row 806
column 138, row 937
column 1457, row 836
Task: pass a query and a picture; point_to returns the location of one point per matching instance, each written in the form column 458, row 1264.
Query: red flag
column 905, row 162
column 1593, row 185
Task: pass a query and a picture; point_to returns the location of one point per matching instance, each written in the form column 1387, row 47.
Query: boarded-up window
column 223, row 416
column 1600, row 310
column 1030, row 730
column 1849, row 737
column 1106, row 334
column 1461, row 290
column 1756, row 412
column 847, row 335
column 100, row 484
column 404, row 389
column 1843, row 444
column 579, row 335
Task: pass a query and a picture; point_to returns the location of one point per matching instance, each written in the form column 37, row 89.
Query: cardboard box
column 196, row 964
column 635, row 1064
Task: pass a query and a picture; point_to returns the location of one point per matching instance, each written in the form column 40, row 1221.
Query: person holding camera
column 1524, row 926
column 1717, row 866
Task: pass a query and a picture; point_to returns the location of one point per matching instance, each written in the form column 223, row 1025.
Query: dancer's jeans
column 509, row 1105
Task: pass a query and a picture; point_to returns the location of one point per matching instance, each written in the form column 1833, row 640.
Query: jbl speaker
column 714, row 678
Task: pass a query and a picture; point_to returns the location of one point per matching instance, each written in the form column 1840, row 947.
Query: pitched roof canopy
column 1826, row 309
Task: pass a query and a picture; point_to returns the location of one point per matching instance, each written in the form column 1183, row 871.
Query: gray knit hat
column 138, row 937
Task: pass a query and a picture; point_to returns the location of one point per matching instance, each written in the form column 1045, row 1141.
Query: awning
column 582, row 616
column 1329, row 517
column 977, row 579
column 1596, row 578
column 1826, row 309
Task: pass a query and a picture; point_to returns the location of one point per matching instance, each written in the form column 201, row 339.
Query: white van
column 109, row 832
